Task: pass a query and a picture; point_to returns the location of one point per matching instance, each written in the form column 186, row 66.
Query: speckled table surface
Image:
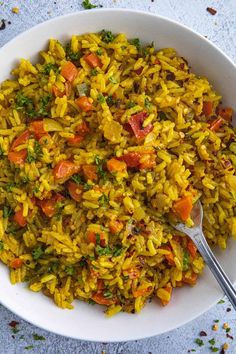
column 220, row 29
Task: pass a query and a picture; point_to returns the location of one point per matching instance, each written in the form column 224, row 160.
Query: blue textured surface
column 220, row 29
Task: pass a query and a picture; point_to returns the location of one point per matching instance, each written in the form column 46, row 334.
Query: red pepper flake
column 202, row 334
column 211, row 11
column 13, row 324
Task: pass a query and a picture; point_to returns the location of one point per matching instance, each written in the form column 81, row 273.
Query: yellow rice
column 188, row 159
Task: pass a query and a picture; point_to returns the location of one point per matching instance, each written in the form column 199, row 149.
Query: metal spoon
column 197, row 236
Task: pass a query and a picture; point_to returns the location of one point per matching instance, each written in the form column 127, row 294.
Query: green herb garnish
column 136, row 42
column 37, row 253
column 30, row 157
column 107, row 36
column 98, row 239
column 199, row 342
column 77, row 179
column 130, row 104
column 117, row 250
column 94, row 72
column 1, row 152
column 88, row 6
column 9, row 186
column 162, row 116
column 91, row 302
column 100, row 162
column 1, row 246
column 29, row 347
column 103, row 251
column 43, row 105
column 50, row 66
column 70, row 55
column 87, row 186
column 70, row 270
column 212, row 341
column 99, row 51
column 221, row 302
column 7, row 211
column 38, row 337
column 35, row 190
column 214, row 349
column 101, row 98
column 103, row 200
column 185, row 260
column 147, row 103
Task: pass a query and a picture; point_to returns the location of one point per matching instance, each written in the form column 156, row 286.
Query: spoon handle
column 217, row 270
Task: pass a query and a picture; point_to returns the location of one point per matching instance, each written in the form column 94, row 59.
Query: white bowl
column 85, row 321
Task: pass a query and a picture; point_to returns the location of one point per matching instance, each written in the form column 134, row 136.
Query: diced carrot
column 183, row 207
column 207, row 108
column 37, row 127
column 69, row 71
column 21, row 139
column 216, row 124
column 150, row 163
column 65, row 169
column 190, row 280
column 142, row 292
column 115, row 226
column 90, row 172
column 82, row 129
column 192, row 248
column 84, row 104
column 93, row 60
column 114, row 165
column 226, row 113
column 48, row 206
column 16, row 263
column 169, row 290
column 19, row 218
column 131, row 159
column 17, row 157
column 76, row 140
column 101, row 300
column 75, row 191
column 57, row 92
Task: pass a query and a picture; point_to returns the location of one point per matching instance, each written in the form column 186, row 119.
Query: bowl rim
column 105, row 11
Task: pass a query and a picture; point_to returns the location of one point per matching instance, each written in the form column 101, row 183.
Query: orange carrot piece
column 84, row 104
column 69, row 71
column 101, row 300
column 65, row 169
column 183, row 207
column 207, row 108
column 216, row 124
column 114, row 165
column 57, row 92
column 17, row 157
column 76, row 140
column 115, row 226
column 90, row 172
column 19, row 218
column 192, row 248
column 169, row 290
column 16, row 263
column 226, row 113
column 93, row 60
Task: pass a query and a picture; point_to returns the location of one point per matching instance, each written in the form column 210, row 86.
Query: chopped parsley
column 43, row 105
column 101, row 98
column 38, row 337
column 25, row 103
column 107, row 36
column 111, row 101
column 70, row 270
column 221, row 302
column 185, row 261
column 77, row 179
column 136, row 43
column 94, row 72
column 103, row 200
column 130, row 104
column 50, row 66
column 1, row 246
column 9, row 186
column 7, row 211
column 113, row 80
column 37, row 253
column 212, row 341
column 88, row 6
column 117, row 250
column 214, row 349
column 91, row 302
column 1, row 152
column 87, row 186
column 199, row 342
column 100, row 162
column 98, row 239
column 34, row 156
column 103, row 251
column 72, row 56
column 29, row 347
column 162, row 116
column 99, row 51
column 216, row 321
column 30, row 157
column 36, row 190
column 147, row 103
